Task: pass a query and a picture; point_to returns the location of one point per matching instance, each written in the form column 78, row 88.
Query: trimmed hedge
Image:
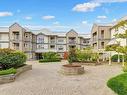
column 8, row 71
column 50, row 57
column 118, row 84
column 49, row 60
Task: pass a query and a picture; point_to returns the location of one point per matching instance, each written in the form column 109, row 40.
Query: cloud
column 101, row 17
column 85, row 7
column 3, row 14
column 114, row 20
column 84, row 22
column 28, row 18
column 109, row 1
column 48, row 17
column 56, row 23
column 90, row 6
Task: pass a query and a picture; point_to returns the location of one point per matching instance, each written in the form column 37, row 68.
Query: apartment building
column 100, row 36
column 60, row 42
column 18, row 38
column 36, row 42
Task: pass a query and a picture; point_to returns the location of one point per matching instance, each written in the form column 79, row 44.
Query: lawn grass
column 118, row 84
column 8, row 71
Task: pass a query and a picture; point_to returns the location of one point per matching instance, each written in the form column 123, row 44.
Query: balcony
column 27, row 39
column 72, row 42
column 52, row 41
column 94, row 39
column 15, row 38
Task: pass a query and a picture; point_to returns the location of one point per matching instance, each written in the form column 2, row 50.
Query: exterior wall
column 4, row 45
column 4, row 37
column 101, row 35
column 19, row 40
column 69, row 35
column 4, row 40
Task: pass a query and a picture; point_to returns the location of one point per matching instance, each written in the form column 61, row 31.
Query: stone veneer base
column 12, row 77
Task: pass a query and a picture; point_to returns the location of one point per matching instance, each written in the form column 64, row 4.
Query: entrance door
column 39, row 56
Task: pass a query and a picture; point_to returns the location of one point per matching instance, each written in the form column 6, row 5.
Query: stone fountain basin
column 72, row 69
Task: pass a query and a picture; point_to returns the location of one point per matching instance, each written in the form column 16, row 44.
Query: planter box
column 72, row 70
column 12, row 77
column 88, row 63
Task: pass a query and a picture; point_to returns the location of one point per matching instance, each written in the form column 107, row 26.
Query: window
column 102, row 34
column 60, row 48
column 40, row 47
column 102, row 44
column 52, row 46
column 41, row 40
column 25, row 45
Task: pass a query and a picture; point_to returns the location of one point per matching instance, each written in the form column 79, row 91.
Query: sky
column 61, row 15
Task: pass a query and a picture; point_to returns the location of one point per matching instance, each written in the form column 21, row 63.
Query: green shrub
column 10, row 58
column 86, row 55
column 49, row 60
column 114, row 58
column 125, row 67
column 50, row 57
column 118, row 84
column 72, row 57
column 8, row 71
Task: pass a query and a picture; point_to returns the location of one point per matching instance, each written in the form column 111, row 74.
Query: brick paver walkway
column 44, row 79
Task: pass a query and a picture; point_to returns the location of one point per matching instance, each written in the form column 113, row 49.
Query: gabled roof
column 72, row 30
column 104, row 24
column 87, row 36
column 16, row 24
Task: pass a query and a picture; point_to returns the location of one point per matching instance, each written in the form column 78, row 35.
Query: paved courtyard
column 44, row 79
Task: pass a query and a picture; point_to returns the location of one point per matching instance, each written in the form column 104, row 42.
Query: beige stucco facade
column 100, row 36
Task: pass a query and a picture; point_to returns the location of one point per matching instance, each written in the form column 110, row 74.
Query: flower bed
column 11, row 74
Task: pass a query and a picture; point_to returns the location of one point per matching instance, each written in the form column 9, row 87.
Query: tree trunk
column 110, row 58
column 118, row 58
column 123, row 60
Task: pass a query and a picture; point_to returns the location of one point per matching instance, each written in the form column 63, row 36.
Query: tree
column 122, row 25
